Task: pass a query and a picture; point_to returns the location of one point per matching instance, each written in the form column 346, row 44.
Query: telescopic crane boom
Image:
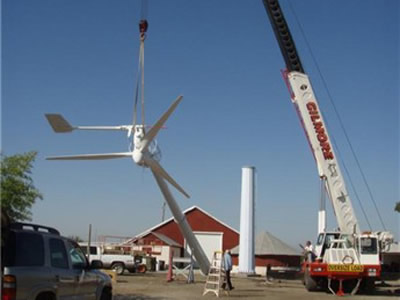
column 306, row 104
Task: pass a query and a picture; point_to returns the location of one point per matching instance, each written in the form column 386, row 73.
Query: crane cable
column 136, row 93
column 342, row 127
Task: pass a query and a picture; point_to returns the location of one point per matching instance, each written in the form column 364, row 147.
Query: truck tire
column 368, row 286
column 46, row 296
column 106, row 294
column 118, row 267
column 310, row 284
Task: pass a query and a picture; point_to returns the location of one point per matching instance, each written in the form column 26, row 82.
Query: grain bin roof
column 267, row 244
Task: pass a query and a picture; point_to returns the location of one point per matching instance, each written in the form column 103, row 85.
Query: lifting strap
column 143, row 26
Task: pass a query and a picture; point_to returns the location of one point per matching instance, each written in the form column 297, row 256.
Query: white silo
column 246, row 246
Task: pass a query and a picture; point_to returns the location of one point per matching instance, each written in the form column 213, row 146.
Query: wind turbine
column 146, row 156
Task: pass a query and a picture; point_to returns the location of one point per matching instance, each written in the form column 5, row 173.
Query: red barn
column 211, row 233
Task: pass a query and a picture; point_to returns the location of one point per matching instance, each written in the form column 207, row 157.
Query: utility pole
column 163, row 211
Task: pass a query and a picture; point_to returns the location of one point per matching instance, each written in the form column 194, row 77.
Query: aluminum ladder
column 216, row 274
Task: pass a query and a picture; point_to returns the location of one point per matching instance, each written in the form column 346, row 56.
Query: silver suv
column 39, row 264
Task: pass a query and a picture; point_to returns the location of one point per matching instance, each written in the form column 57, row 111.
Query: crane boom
column 306, row 104
column 283, row 36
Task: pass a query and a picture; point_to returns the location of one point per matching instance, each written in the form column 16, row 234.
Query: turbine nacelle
column 139, row 158
column 138, row 136
column 141, row 152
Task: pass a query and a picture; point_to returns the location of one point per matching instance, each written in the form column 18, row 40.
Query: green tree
column 397, row 207
column 18, row 192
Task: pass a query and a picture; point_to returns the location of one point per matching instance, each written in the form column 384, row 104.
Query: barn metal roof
column 268, row 244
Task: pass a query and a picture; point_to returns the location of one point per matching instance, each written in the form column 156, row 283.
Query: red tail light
column 9, row 288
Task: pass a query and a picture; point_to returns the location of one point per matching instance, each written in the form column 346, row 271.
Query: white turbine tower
column 143, row 154
column 246, row 243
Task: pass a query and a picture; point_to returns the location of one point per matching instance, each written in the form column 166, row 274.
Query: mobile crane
column 347, row 256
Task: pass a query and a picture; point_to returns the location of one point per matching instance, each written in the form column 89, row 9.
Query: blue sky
column 79, row 58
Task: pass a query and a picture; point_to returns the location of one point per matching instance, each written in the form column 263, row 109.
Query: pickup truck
column 117, row 262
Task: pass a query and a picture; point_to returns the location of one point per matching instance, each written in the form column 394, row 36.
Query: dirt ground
column 153, row 286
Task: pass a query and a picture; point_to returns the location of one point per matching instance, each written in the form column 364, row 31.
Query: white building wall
column 209, row 241
column 257, row 270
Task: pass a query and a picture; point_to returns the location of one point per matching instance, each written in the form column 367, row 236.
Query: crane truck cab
column 368, row 246
column 353, row 258
column 323, row 242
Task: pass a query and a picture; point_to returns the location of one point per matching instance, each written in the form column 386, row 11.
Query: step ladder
column 216, row 274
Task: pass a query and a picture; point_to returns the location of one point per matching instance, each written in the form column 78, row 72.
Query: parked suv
column 39, row 264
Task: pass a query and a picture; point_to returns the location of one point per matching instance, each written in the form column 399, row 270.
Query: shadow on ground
column 135, row 297
column 388, row 293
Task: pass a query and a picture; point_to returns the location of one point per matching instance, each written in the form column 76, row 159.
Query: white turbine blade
column 156, row 127
column 156, row 168
column 91, row 156
column 183, row 224
column 58, row 123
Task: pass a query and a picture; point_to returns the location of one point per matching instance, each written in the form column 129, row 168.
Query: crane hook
column 143, row 25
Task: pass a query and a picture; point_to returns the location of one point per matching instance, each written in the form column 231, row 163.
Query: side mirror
column 96, row 264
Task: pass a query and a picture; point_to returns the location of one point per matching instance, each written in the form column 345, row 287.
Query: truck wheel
column 46, row 296
column 309, row 282
column 368, row 286
column 106, row 294
column 118, row 267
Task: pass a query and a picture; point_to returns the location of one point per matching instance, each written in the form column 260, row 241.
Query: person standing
column 309, row 251
column 268, row 277
column 228, row 269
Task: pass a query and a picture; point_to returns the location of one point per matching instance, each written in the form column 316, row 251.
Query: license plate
column 345, row 268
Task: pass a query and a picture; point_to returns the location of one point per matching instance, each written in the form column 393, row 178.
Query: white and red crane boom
column 306, row 105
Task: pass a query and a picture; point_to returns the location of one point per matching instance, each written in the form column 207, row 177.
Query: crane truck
column 347, row 258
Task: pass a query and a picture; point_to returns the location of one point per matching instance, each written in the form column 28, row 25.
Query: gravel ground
column 153, row 286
